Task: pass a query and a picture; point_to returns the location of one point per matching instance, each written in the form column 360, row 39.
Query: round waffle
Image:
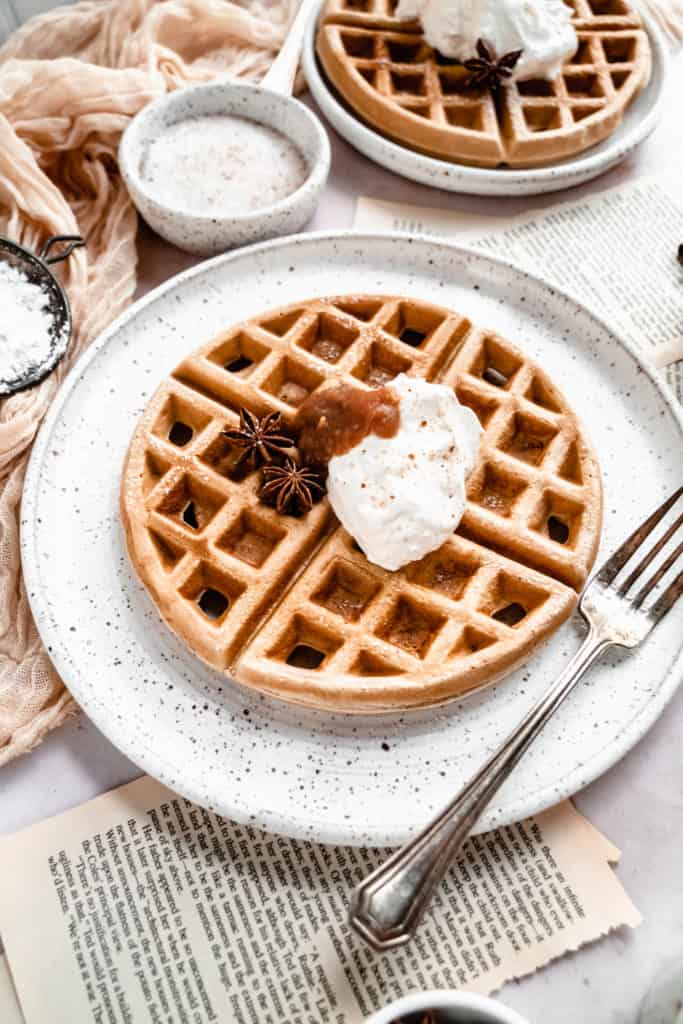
column 290, row 605
column 382, row 67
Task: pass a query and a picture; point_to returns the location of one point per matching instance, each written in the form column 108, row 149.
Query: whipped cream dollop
column 401, row 497
column 542, row 29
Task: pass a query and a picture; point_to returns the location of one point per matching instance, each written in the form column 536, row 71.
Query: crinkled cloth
column 70, row 81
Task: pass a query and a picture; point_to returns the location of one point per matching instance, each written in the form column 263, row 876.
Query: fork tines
column 623, row 556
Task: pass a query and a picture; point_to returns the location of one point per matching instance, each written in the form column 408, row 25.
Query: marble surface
column 638, row 804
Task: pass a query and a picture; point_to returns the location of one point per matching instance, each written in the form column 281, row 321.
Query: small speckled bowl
column 210, row 234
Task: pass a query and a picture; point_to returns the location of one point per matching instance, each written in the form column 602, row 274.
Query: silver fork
column 387, row 905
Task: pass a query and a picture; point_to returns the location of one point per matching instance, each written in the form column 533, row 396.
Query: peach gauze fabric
column 70, row 81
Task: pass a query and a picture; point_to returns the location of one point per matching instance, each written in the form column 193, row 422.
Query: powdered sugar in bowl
column 211, row 167
column 36, row 319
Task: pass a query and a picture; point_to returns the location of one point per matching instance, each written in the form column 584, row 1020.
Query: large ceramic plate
column 321, row 776
column 639, row 121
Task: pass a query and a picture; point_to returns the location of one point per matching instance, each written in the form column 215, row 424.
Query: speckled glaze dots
column 332, row 778
column 214, row 232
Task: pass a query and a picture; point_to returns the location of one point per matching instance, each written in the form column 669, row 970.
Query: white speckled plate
column 326, row 777
column 639, row 121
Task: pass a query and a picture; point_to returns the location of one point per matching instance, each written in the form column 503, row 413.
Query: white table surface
column 638, row 804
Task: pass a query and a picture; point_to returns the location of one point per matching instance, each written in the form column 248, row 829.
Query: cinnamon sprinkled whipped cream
column 401, row 497
column 542, row 29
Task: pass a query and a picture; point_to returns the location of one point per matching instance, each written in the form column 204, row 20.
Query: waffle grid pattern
column 276, row 599
column 597, row 14
column 393, row 79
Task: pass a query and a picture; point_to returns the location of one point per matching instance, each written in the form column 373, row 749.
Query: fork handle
column 387, row 905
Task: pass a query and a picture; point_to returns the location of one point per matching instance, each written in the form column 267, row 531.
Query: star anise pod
column 293, row 488
column 487, row 72
column 260, row 439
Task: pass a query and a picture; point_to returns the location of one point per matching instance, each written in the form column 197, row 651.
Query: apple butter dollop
column 336, row 419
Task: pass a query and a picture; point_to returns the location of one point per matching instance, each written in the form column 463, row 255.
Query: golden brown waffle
column 391, row 78
column 369, row 13
column 290, row 605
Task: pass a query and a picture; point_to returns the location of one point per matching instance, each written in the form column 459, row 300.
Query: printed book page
column 140, row 907
column 615, row 251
